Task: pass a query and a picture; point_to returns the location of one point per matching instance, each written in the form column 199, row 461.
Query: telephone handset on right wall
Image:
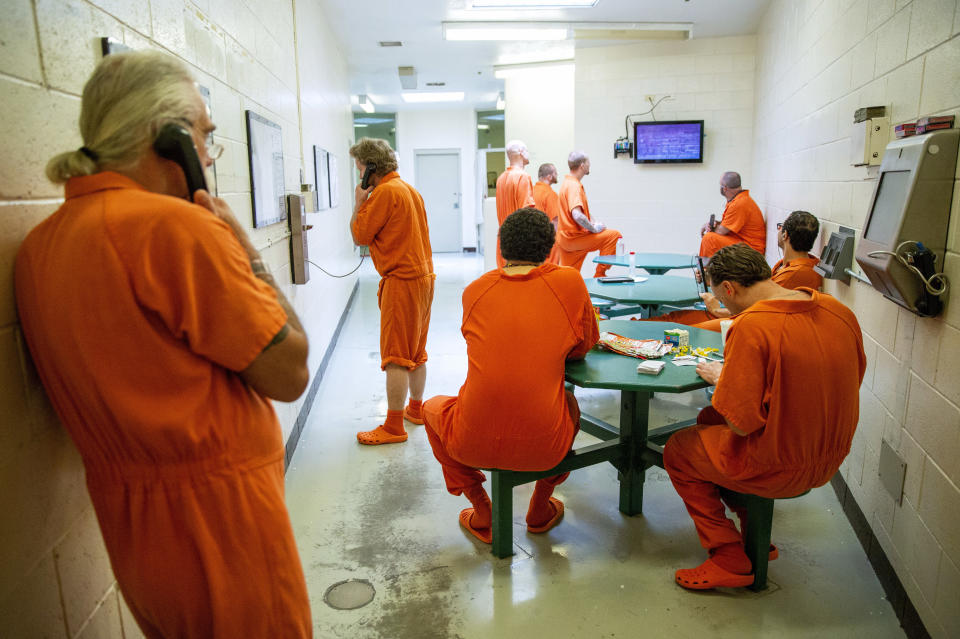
column 175, row 143
column 367, row 174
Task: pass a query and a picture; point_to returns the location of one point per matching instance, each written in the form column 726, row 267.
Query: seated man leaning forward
column 742, row 220
column 795, row 237
column 521, row 323
column 783, row 414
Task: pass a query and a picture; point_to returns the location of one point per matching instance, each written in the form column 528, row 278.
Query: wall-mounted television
column 668, row 141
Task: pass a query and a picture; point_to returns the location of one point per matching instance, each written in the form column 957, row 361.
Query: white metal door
column 437, row 178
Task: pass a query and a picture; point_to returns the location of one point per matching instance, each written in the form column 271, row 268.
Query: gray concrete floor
column 382, row 514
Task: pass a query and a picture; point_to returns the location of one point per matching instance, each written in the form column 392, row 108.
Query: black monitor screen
column 679, row 141
column 887, row 209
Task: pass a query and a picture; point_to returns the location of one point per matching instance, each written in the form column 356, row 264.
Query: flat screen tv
column 668, row 141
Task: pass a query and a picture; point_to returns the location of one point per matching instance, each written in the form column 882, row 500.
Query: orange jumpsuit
column 512, row 411
column 548, row 201
column 139, row 309
column 393, row 223
column 791, row 381
column 514, row 191
column 573, row 240
column 745, row 221
column 792, row 275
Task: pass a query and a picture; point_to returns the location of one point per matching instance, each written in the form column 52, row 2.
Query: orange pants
column 698, row 480
column 213, row 553
column 713, row 242
column 404, row 320
column 554, row 257
column 573, row 251
column 462, row 479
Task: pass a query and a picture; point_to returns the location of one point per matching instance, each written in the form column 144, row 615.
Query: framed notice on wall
column 334, row 186
column 321, row 174
column 265, row 148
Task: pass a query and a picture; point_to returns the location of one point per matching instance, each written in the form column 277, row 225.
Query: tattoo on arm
column 279, row 337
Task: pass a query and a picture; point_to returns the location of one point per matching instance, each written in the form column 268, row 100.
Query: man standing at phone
column 390, row 218
column 161, row 337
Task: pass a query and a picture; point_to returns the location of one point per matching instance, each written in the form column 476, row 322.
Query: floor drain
column 350, row 594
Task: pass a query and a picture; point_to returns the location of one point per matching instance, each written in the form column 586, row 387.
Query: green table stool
column 757, row 534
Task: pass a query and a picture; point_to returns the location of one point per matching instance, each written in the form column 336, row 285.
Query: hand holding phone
column 367, row 175
column 175, row 143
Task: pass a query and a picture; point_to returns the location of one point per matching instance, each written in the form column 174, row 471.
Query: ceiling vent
column 390, row 43
column 408, row 77
column 436, row 84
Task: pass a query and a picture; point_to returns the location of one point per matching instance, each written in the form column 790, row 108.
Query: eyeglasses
column 779, row 225
column 214, row 150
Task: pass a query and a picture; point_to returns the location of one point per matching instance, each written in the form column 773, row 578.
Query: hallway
column 382, row 514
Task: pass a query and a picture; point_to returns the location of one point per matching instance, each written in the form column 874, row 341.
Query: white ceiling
column 468, row 66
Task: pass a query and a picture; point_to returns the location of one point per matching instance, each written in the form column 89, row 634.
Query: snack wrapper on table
column 639, row 348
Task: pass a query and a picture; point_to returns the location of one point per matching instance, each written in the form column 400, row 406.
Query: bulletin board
column 265, row 148
column 322, row 177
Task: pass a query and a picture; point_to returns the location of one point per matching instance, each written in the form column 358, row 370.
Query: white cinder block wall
column 817, row 62
column 661, row 207
column 55, row 579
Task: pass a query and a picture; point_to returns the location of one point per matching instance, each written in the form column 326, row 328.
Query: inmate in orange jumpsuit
column 139, row 309
column 547, row 200
column 573, row 240
column 745, row 221
column 512, row 411
column 791, row 381
column 514, row 191
column 393, row 223
column 792, row 275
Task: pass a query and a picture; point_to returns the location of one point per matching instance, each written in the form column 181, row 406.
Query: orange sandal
column 413, row 419
column 710, row 575
column 774, row 553
column 379, row 435
column 557, row 516
column 483, row 534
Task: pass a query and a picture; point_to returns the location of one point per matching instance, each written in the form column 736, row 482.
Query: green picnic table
column 653, row 263
column 645, row 298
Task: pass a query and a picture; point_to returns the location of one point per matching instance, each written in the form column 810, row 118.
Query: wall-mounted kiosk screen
column 911, row 204
column 884, row 219
column 668, row 141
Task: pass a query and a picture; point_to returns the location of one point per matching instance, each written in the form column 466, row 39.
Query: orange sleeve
column 192, row 272
column 525, row 192
column 588, row 326
column 371, row 217
column 742, row 395
column 734, row 216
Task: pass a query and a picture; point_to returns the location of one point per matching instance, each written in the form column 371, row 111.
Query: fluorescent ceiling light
column 360, row 126
column 433, row 96
column 483, row 127
column 533, row 4
column 512, row 31
column 512, row 70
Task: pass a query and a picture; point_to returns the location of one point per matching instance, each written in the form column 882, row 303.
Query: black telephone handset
column 713, row 222
column 367, row 174
column 175, row 143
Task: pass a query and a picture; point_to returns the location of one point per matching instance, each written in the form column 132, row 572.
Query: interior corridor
column 382, row 514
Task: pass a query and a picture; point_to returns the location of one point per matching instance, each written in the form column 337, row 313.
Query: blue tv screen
column 668, row 141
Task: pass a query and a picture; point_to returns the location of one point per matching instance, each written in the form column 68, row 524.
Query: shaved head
column 546, row 170
column 516, row 147
column 731, row 180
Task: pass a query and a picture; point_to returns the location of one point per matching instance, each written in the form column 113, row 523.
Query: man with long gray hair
column 160, row 337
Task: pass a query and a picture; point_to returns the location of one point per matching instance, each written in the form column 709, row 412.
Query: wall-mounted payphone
column 905, row 233
column 299, row 255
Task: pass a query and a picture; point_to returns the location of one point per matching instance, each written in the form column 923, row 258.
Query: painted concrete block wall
column 710, row 79
column 817, row 62
column 55, row 579
column 443, row 129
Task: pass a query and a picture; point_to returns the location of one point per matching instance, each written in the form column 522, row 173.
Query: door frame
column 416, row 179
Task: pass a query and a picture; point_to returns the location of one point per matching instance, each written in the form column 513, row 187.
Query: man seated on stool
column 795, row 236
column 783, row 414
column 742, row 220
column 521, row 323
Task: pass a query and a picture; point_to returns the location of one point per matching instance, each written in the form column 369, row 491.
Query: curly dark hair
column 738, row 263
column 802, row 230
column 526, row 235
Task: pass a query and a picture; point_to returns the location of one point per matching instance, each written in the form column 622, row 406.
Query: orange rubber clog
column 483, row 534
column 710, row 575
column 557, row 516
column 379, row 435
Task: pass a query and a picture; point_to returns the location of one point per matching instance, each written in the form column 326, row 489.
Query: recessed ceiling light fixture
column 534, row 4
column 433, row 96
column 518, row 31
column 390, row 43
